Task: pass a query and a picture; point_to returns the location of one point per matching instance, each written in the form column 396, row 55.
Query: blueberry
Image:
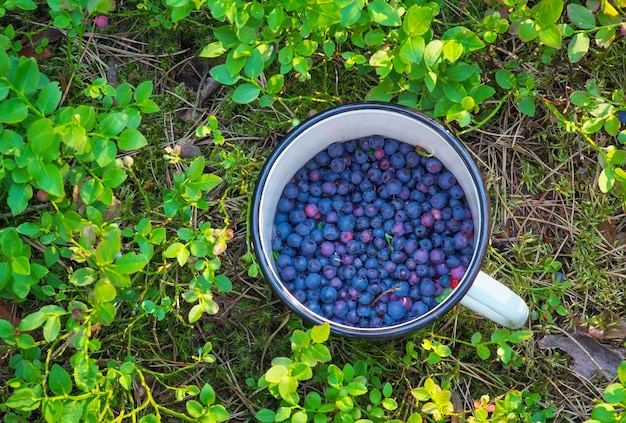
column 322, row 158
column 313, row 281
column 328, row 294
column 336, row 149
column 621, row 116
column 427, row 288
column 439, row 200
column 294, row 240
column 456, row 192
column 419, row 308
column 396, row 310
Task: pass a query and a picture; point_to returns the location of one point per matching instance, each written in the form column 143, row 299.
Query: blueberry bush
column 120, row 269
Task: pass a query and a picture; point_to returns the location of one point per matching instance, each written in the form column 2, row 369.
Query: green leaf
column 113, row 124
column 621, row 372
column 59, row 381
column 109, row 247
column 606, row 180
column 551, row 36
column 195, row 313
column 6, row 329
column 104, row 291
column 528, row 30
column 581, row 98
column 131, row 139
column 500, row 335
column 5, row 62
column 179, row 251
column 505, row 79
column 433, row 53
column 320, row 333
column 207, row 394
column 50, row 180
column 275, row 83
column 265, row 415
column 412, row 49
column 113, row 177
column 220, row 74
column 452, row 50
column 464, row 36
column 580, row 16
column 31, row 321
column 131, row 263
column 85, row 371
column 84, row 276
column 578, row 47
column 19, row 194
column 49, row 98
column 483, row 352
column 27, row 77
column 417, row 20
column 246, row 93
column 23, row 399
column 20, row 265
column 605, row 37
column 143, row 91
column 615, row 393
column 212, row 50
column 547, row 12
column 51, row 328
column 526, row 105
column 383, row 14
column 13, row 110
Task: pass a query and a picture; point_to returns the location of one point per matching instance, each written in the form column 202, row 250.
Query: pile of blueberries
column 372, row 233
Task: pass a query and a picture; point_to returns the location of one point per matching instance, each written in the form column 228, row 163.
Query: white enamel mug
column 477, row 290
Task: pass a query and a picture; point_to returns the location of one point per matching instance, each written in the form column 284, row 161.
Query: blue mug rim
column 388, row 332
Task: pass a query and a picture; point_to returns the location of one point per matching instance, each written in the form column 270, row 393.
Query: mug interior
column 390, row 122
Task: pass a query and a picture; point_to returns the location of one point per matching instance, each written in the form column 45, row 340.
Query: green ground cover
column 131, row 135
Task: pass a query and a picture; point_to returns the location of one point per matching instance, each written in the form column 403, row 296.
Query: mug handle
column 496, row 302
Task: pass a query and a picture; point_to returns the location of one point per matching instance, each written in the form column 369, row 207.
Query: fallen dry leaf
column 591, row 358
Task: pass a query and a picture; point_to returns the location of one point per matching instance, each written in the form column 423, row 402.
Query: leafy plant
column 613, row 409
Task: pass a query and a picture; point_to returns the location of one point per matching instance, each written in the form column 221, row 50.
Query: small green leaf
column 505, row 79
column 49, row 98
column 27, row 77
column 578, row 47
column 383, row 13
column 580, row 16
column 412, row 49
column 195, row 313
column 19, row 194
column 113, row 124
column 143, row 91
column 6, row 329
column 23, row 399
column 246, row 93
column 265, row 415
column 131, row 139
column 528, row 30
column 551, row 36
column 104, row 291
column 417, row 20
column 59, row 381
column 606, row 180
column 20, row 265
column 131, row 263
column 207, row 394
column 113, row 177
column 320, row 333
column 51, row 328
column 31, row 321
column 547, row 12
column 483, row 352
column 13, row 110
